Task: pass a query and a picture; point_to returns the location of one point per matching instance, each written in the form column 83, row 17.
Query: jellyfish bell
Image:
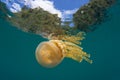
column 49, row 54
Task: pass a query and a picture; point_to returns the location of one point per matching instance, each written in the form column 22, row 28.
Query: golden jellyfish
column 50, row 53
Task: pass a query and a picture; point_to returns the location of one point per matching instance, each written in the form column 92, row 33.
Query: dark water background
column 17, row 54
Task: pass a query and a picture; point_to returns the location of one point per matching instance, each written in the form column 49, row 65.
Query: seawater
column 17, row 54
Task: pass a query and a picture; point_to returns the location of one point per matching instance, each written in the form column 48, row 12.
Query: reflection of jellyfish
column 51, row 53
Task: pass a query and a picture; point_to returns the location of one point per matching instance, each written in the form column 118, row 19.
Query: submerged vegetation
column 91, row 14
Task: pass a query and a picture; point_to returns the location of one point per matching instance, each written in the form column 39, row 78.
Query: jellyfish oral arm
column 76, row 53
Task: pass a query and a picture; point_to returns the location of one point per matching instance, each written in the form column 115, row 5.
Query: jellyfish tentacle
column 68, row 38
column 76, row 53
column 71, row 50
column 60, row 44
column 88, row 60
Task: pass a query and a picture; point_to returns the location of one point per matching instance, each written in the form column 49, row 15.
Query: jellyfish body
column 50, row 53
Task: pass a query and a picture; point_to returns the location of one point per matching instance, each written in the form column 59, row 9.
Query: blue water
column 17, row 54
